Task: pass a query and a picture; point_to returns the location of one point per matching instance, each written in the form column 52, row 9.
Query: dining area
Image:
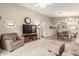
column 66, row 35
column 66, row 31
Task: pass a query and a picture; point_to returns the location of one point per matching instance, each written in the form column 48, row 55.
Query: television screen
column 29, row 29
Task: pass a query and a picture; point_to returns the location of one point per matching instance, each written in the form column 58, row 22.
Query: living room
column 56, row 29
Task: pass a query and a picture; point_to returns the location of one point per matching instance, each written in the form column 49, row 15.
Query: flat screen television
column 29, row 29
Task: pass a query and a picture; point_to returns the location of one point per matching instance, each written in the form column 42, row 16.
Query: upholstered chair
column 72, row 48
column 11, row 41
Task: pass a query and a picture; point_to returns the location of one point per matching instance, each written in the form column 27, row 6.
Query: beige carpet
column 34, row 48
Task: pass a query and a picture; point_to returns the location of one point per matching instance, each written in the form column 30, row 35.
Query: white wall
column 58, row 19
column 17, row 13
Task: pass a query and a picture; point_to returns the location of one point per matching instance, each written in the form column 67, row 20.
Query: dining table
column 66, row 34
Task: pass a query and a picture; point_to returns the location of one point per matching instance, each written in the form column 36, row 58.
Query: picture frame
column 51, row 27
column 9, row 24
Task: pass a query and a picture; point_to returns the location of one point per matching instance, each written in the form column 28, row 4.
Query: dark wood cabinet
column 30, row 37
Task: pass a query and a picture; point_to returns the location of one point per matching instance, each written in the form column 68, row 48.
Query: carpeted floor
column 35, row 48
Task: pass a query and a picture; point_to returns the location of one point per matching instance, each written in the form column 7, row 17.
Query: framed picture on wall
column 51, row 27
column 9, row 24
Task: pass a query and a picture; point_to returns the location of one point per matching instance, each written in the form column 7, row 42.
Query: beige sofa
column 11, row 41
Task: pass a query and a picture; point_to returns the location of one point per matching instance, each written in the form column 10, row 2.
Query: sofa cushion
column 17, row 42
column 10, row 36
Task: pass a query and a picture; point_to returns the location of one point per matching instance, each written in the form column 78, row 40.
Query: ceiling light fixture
column 43, row 5
column 60, row 13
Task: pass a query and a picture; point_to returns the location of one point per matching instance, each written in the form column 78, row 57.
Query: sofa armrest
column 18, row 43
column 19, row 37
column 7, row 44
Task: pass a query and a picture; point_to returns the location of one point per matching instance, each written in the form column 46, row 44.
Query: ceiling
column 55, row 9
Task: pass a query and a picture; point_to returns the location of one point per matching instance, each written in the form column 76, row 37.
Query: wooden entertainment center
column 29, row 32
column 30, row 37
